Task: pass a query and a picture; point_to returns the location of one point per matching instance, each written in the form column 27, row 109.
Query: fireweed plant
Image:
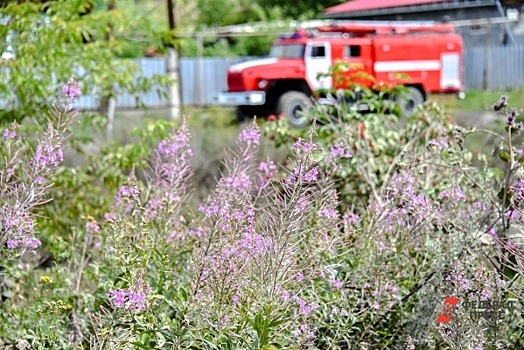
column 25, row 175
column 354, row 242
column 418, row 209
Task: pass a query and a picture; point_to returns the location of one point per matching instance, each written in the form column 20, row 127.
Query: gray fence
column 484, row 68
column 200, row 81
column 493, row 68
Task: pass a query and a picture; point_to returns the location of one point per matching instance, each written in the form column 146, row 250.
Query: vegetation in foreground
column 355, row 240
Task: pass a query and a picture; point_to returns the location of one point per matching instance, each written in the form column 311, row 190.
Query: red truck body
column 427, row 56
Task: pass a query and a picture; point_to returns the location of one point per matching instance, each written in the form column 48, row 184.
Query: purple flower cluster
column 512, row 115
column 92, row 227
column 462, row 282
column 128, row 299
column 47, row 154
column 71, row 89
column 328, row 213
column 24, row 243
column 336, row 283
column 304, row 174
column 134, row 298
column 518, row 189
column 125, row 193
column 338, row 150
column 512, row 214
column 440, row 143
column 250, row 136
column 455, row 194
column 16, row 222
column 405, row 206
column 213, row 209
column 304, row 308
column 311, row 175
column 176, row 145
column 171, row 162
column 196, row 232
column 268, row 169
column 304, row 145
column 152, row 208
column 254, row 243
column 8, row 134
column 111, row 217
column 304, row 332
column 24, row 188
column 486, row 294
column 502, row 103
column 351, row 218
column 18, row 226
column 239, row 182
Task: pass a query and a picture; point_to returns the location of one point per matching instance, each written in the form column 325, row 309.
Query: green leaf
column 504, row 156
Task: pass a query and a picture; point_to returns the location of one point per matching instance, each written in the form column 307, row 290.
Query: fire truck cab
column 428, row 55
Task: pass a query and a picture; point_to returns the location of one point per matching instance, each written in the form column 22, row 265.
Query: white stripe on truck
column 248, row 64
column 406, row 66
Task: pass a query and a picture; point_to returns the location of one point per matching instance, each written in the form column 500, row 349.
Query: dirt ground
column 125, row 121
column 478, row 119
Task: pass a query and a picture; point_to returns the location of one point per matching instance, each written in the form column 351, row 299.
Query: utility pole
column 111, row 102
column 173, row 68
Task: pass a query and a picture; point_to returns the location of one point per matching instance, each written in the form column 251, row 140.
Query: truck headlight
column 262, row 84
column 257, row 98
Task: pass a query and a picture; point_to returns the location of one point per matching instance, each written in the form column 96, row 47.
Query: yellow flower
column 46, row 279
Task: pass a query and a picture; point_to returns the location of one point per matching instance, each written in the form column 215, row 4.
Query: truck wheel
column 410, row 101
column 292, row 104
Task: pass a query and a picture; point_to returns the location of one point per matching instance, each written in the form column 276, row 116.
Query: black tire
column 292, row 104
column 410, row 101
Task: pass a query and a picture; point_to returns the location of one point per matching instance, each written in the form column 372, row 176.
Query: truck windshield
column 287, row 51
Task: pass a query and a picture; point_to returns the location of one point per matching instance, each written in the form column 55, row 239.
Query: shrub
column 355, row 242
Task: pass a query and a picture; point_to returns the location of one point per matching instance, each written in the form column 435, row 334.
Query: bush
column 355, row 242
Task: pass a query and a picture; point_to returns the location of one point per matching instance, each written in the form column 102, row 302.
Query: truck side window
column 352, row 51
column 318, row 51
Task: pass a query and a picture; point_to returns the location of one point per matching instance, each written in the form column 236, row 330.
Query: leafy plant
column 354, row 242
column 53, row 40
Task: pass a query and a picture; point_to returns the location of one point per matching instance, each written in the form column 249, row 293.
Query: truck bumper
column 248, row 98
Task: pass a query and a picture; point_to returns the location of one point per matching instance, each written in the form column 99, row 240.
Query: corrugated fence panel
column 151, row 67
column 202, row 78
column 473, row 67
column 506, row 65
column 494, row 68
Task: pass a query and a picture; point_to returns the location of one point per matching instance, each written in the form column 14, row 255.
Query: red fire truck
column 430, row 54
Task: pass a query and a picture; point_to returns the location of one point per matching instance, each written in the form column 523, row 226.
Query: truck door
column 358, row 54
column 318, row 60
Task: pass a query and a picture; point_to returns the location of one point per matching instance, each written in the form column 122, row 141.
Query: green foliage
column 303, row 9
column 370, row 223
column 217, row 13
column 57, row 40
column 375, row 138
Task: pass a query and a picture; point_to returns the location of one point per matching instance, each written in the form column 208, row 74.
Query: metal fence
column 484, row 68
column 200, row 80
column 493, row 68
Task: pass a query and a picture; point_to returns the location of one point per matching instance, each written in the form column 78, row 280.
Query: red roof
column 363, row 5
